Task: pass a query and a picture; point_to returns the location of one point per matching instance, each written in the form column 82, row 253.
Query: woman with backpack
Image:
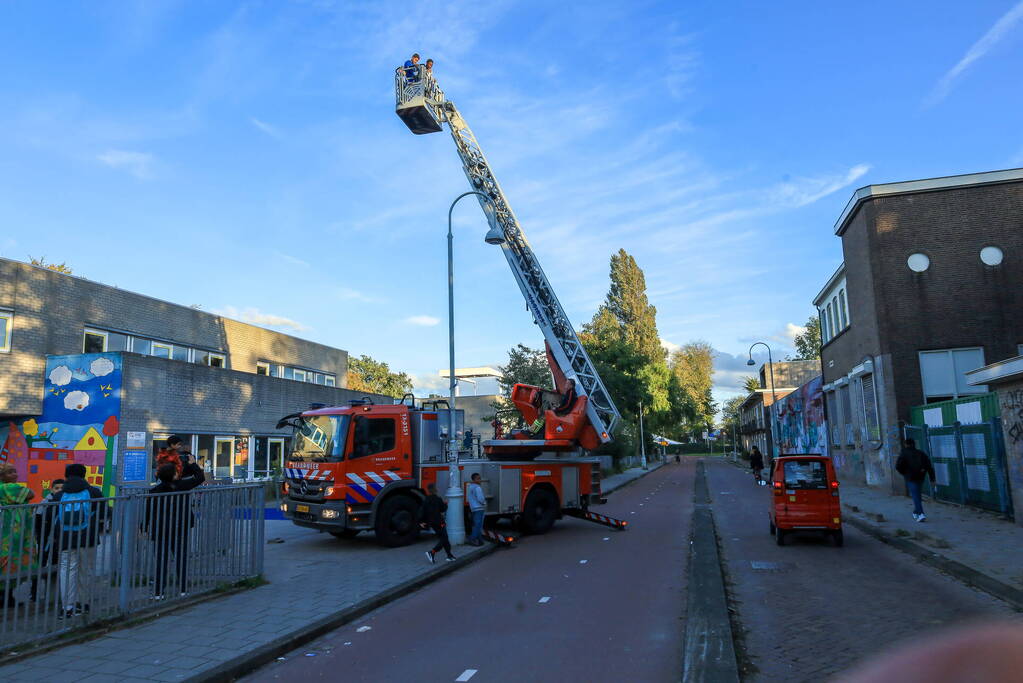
column 17, row 549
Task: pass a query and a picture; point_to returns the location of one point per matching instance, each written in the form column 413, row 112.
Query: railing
column 63, row 568
column 415, row 81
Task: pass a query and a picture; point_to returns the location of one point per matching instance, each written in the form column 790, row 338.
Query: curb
column 709, row 651
column 957, row 570
column 649, row 471
column 250, row 661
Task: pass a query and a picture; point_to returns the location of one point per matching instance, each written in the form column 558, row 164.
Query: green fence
column 969, row 463
column 953, row 411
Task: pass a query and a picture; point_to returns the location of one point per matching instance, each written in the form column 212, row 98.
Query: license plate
column 302, row 508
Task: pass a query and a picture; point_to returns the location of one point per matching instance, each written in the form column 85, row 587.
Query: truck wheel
column 345, row 533
column 540, row 511
column 396, row 521
column 779, row 536
column 838, row 537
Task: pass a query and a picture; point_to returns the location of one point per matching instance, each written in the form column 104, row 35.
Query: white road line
column 583, row 561
column 607, row 538
column 545, row 598
column 363, row 629
column 466, row 675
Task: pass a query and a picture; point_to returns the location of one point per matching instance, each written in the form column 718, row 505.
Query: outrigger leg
column 498, row 538
column 619, row 524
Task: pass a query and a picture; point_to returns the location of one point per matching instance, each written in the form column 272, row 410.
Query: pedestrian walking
column 168, row 522
column 46, row 545
column 478, row 507
column 756, row 463
column 17, row 549
column 79, row 524
column 915, row 466
column 433, row 510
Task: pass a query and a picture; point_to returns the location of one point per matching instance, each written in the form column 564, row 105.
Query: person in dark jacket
column 169, row 522
column 915, row 466
column 756, row 463
column 44, row 531
column 433, row 511
column 78, row 525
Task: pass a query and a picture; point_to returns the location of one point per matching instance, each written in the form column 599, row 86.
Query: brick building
column 80, row 360
column 932, row 272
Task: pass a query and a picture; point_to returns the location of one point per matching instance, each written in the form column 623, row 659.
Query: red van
column 805, row 497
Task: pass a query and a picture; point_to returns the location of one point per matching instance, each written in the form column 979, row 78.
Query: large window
column 6, row 322
column 831, row 321
column 262, row 368
column 842, row 307
column 943, row 373
column 269, row 456
column 806, row 474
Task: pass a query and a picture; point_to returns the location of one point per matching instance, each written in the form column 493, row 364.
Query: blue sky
column 246, row 156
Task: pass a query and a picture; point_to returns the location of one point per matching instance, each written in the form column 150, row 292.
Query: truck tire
column 396, row 521
column 540, row 511
column 779, row 536
column 838, row 537
column 345, row 533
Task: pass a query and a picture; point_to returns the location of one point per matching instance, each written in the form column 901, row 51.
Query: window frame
column 210, row 355
column 96, row 333
column 295, row 374
column 329, row 380
column 5, row 340
column 951, row 355
column 844, row 316
column 871, row 429
column 162, row 345
column 263, row 365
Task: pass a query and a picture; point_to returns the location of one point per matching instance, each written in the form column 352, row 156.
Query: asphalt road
column 809, row 610
column 582, row 602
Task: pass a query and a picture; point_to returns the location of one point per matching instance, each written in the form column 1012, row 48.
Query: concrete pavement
column 315, row 583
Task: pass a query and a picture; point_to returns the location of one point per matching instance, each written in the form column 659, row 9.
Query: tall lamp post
column 455, row 519
column 642, row 441
column 774, row 395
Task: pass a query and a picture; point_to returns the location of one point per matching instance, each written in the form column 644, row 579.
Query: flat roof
column 1010, row 368
column 926, row 185
column 468, row 373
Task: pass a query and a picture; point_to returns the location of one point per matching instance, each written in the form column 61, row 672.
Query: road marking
column 632, row 513
column 583, row 561
column 545, row 598
column 348, row 643
column 466, row 675
column 607, row 538
column 363, row 629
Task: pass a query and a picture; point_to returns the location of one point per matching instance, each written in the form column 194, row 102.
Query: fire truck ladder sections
column 619, row 524
column 498, row 538
column 540, row 298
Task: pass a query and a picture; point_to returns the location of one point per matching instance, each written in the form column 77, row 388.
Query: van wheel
column 345, row 533
column 779, row 537
column 838, row 537
column 540, row 511
column 772, row 528
column 396, row 521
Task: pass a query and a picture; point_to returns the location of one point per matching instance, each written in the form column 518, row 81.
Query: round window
column 918, row 263
column 991, row 256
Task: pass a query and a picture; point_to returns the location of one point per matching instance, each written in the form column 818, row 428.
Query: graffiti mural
column 801, row 424
column 79, row 423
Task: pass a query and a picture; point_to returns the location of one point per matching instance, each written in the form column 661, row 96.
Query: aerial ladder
column 582, row 412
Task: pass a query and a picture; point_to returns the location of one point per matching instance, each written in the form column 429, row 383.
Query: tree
column 525, row 366
column 366, row 374
column 627, row 302
column 751, row 384
column 730, row 413
column 693, row 366
column 61, row 267
column 808, row 344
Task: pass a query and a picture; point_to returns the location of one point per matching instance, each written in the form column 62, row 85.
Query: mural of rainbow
column 79, row 423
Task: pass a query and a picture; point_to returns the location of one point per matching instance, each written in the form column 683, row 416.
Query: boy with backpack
column 77, row 527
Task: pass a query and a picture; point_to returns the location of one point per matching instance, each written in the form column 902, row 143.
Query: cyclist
column 756, row 463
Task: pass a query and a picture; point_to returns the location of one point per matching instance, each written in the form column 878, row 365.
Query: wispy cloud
column 994, row 35
column 792, row 331
column 256, row 317
column 422, row 320
column 139, row 164
column 805, row 191
column 265, row 127
column 349, row 294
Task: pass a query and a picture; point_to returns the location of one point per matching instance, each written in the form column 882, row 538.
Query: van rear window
column 805, row 474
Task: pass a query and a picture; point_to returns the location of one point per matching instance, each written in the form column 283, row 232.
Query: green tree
column 61, row 267
column 366, row 374
column 808, row 344
column 627, row 301
column 525, row 366
column 750, row 384
column 693, row 367
column 730, row 414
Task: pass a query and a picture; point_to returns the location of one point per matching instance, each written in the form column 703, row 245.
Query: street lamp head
column 751, row 362
column 495, row 236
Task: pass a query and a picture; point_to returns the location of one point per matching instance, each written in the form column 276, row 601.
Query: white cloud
column 76, row 400
column 61, row 375
column 256, row 317
column 265, row 127
column 101, row 367
column 422, row 320
column 670, row 347
column 139, row 164
column 349, row 294
column 806, row 191
column 792, row 331
column 994, row 35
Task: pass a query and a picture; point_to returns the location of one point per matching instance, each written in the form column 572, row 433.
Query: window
column 6, row 322
column 143, row 346
column 319, row 378
column 373, row 435
column 329, row 380
column 841, row 305
column 805, row 474
column 214, row 360
column 268, row 456
column 871, row 418
column 160, row 442
column 262, row 368
column 181, row 353
column 289, row 373
column 943, row 373
column 94, row 341
column 162, row 350
column 204, row 451
column 834, row 418
column 824, row 326
column 299, row 375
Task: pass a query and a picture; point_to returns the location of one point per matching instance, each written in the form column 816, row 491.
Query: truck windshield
column 320, row 439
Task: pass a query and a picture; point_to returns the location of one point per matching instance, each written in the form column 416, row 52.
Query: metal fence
column 969, row 463
column 65, row 565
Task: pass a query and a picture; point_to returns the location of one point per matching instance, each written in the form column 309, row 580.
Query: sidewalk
column 315, row 584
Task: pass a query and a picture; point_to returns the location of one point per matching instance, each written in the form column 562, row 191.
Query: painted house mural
column 79, row 423
column 801, row 424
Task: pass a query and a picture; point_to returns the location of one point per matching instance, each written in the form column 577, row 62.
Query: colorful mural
column 801, row 424
column 79, row 423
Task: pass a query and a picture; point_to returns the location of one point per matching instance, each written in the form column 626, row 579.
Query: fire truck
column 366, row 466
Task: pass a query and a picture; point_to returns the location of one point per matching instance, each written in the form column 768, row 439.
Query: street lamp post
column 642, row 441
column 774, row 395
column 455, row 517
